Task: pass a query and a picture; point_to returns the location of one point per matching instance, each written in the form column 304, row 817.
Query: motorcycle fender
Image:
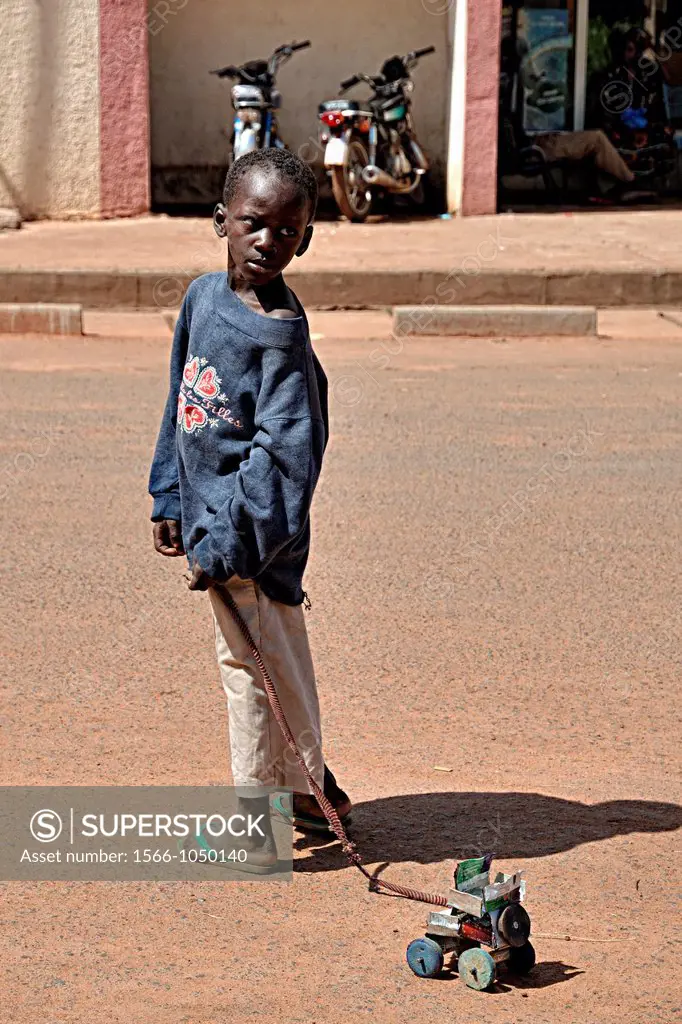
column 335, row 152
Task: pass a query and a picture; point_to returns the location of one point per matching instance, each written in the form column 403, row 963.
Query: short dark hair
column 281, row 162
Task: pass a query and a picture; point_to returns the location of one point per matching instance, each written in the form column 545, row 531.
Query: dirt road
column 496, row 590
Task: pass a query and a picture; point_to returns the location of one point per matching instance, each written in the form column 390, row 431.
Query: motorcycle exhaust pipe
column 374, row 175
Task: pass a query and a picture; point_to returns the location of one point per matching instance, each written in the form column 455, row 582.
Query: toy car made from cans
column 484, row 925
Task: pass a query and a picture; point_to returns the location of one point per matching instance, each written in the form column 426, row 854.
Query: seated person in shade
column 592, row 148
column 638, row 71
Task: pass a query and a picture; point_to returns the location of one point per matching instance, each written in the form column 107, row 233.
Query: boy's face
column 266, row 225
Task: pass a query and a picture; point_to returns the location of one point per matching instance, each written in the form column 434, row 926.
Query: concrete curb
column 40, row 318
column 329, row 289
column 10, row 219
column 495, row 321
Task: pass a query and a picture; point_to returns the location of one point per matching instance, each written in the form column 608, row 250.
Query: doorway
column 559, row 59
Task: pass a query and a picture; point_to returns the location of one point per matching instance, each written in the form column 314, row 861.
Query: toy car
column 484, row 925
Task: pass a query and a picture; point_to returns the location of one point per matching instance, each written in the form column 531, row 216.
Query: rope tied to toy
column 376, row 884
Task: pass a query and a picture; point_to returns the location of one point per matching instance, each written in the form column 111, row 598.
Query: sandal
column 307, row 821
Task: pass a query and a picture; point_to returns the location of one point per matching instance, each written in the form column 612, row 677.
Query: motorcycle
column 372, row 146
column 255, row 98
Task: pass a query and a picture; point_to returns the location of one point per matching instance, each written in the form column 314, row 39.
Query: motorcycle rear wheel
column 350, row 191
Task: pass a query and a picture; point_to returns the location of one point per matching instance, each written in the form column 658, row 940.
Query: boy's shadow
column 433, row 827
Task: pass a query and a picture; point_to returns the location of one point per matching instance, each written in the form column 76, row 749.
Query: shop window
column 539, row 39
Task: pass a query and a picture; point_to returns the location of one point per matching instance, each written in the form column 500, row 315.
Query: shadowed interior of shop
column 590, row 103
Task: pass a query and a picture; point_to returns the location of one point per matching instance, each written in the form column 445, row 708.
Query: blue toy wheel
column 476, row 968
column 425, row 957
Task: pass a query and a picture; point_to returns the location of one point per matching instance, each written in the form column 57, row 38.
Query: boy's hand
column 200, row 580
column 168, row 538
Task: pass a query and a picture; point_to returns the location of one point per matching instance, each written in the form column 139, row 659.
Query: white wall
column 49, row 107
column 190, row 109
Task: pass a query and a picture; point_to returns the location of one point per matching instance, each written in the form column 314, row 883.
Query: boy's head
column 269, row 202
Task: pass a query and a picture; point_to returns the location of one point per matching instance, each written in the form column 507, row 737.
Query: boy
column 236, row 463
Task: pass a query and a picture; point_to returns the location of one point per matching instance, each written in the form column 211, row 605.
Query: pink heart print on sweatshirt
column 194, row 418
column 208, row 382
column 200, row 385
column 191, row 371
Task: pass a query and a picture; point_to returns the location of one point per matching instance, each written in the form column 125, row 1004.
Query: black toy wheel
column 522, row 959
column 514, row 925
column 425, row 957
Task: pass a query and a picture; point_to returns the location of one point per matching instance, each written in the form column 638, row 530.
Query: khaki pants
column 579, row 146
column 260, row 754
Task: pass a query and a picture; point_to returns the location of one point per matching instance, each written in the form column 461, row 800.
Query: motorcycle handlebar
column 231, row 71
column 377, row 80
column 283, row 53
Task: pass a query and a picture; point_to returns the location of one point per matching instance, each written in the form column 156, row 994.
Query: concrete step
column 361, row 289
column 495, row 321
column 40, row 318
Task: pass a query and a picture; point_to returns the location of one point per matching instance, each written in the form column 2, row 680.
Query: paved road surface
column 496, row 590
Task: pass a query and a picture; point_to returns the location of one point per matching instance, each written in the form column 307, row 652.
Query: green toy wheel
column 425, row 957
column 522, row 959
column 476, row 968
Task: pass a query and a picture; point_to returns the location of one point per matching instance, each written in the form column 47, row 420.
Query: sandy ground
column 621, row 240
column 496, row 590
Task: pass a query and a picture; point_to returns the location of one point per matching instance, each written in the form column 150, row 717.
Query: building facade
column 108, row 106
column 74, row 123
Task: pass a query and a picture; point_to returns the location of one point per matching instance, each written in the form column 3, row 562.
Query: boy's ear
column 305, row 242
column 219, row 218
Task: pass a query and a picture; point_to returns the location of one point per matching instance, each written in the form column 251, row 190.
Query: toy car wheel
column 476, row 968
column 425, row 957
column 522, row 959
column 514, row 925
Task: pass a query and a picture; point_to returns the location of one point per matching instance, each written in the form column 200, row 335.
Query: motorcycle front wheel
column 350, row 191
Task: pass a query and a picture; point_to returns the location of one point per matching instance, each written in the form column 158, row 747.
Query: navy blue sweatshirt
column 242, row 438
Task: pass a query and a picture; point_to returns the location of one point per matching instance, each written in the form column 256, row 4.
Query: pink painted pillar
column 124, row 108
column 477, row 176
